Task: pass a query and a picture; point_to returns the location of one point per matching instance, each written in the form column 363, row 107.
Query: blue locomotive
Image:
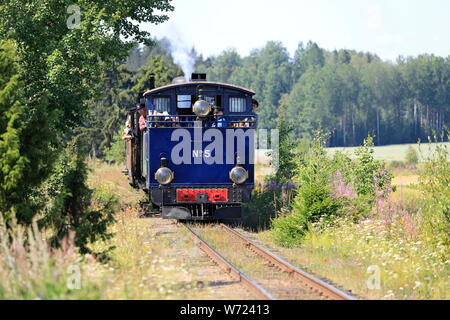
column 194, row 152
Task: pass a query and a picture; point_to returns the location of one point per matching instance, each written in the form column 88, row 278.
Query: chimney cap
column 198, row 77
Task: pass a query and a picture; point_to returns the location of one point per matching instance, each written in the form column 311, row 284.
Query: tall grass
column 31, row 269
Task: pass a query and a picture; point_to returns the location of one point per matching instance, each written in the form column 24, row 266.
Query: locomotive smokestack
column 198, row 77
column 152, row 81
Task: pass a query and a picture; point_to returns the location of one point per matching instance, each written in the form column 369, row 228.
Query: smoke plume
column 181, row 53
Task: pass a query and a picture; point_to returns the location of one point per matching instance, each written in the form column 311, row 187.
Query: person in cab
column 142, row 109
column 127, row 131
column 221, row 122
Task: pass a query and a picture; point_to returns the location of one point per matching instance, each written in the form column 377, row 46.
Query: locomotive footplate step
column 178, row 213
column 183, row 213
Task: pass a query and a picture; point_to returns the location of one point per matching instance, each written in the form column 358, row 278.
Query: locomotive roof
column 196, row 83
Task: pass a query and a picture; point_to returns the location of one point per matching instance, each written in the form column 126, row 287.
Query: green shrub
column 313, row 200
column 395, row 164
column 412, row 156
column 332, row 187
column 288, row 229
column 116, row 153
column 258, row 212
column 279, row 188
column 366, row 168
column 72, row 206
column 370, row 176
column 434, row 186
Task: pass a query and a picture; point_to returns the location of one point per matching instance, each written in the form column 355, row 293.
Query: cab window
column 161, row 104
column 237, row 104
column 184, row 101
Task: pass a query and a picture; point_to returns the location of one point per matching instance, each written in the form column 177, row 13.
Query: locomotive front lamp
column 201, row 108
column 238, row 175
column 164, row 176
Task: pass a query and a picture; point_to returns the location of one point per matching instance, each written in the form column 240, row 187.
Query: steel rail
column 309, row 281
column 228, row 267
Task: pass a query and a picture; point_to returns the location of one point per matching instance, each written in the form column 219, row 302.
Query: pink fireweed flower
column 340, row 189
column 393, row 218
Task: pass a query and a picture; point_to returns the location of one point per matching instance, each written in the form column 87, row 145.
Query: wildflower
column 418, row 285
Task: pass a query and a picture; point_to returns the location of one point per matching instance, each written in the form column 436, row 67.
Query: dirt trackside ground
column 191, row 265
column 155, row 259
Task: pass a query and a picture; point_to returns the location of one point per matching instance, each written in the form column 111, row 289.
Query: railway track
column 281, row 280
column 228, row 267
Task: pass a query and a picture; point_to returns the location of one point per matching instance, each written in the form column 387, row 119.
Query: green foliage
column 107, row 114
column 120, row 88
column 331, row 187
column 117, row 151
column 49, row 72
column 412, row 155
column 279, row 188
column 366, row 169
column 289, row 229
column 73, row 206
column 258, row 212
column 162, row 67
column 313, row 200
column 11, row 164
column 434, row 186
column 286, row 163
column 21, row 146
column 370, row 176
column 395, row 164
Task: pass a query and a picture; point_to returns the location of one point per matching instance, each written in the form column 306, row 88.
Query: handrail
column 188, row 121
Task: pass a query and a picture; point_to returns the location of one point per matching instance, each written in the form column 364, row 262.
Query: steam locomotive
column 195, row 156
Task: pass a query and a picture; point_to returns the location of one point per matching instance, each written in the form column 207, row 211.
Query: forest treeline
column 350, row 94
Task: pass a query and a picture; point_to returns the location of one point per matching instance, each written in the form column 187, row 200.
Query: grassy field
column 393, row 152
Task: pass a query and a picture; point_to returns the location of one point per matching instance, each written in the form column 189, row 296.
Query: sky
column 388, row 28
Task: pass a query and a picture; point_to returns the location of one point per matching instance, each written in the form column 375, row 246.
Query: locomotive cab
column 195, row 158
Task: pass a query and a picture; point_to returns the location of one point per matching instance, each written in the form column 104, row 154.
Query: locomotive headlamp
column 238, row 175
column 164, row 175
column 201, row 108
